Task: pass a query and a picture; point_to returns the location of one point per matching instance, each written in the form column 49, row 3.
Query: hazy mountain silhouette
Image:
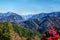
column 10, row 16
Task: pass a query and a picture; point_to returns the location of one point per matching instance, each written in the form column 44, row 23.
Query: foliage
column 9, row 30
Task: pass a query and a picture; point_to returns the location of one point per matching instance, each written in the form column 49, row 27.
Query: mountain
column 16, row 27
column 10, row 16
column 41, row 15
column 42, row 22
column 38, row 22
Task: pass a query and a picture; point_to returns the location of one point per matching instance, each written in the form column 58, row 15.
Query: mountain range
column 42, row 22
column 38, row 22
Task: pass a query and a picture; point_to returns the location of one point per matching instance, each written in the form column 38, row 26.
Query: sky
column 27, row 7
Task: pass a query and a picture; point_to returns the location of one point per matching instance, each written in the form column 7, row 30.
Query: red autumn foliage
column 53, row 35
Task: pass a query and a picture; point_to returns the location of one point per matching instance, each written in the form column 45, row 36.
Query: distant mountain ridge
column 10, row 16
column 41, row 15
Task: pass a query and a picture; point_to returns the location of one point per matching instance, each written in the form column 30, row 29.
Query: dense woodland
column 9, row 31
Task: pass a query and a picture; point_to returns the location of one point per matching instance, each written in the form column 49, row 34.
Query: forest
column 10, row 31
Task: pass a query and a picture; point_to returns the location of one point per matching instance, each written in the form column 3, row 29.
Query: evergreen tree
column 11, row 32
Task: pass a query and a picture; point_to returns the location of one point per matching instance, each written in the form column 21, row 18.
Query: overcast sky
column 25, row 7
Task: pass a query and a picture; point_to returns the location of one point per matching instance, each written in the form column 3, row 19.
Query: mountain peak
column 11, row 16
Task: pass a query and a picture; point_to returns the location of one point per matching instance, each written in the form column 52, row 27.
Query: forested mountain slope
column 9, row 31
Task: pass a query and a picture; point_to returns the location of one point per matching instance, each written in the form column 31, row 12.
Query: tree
column 10, row 28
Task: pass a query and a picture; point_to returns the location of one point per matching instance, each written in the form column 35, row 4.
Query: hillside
column 42, row 22
column 9, row 31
